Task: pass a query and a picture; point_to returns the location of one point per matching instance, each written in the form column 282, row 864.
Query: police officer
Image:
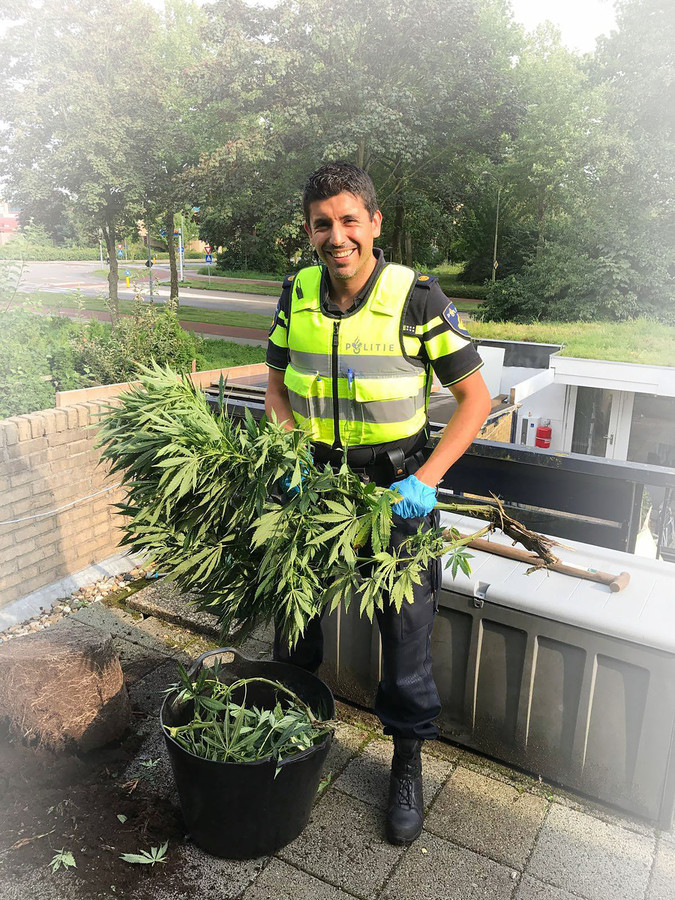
column 351, row 354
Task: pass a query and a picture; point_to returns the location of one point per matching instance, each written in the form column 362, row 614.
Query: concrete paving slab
column 487, row 816
column 443, row 750
column 119, row 623
column 255, row 649
column 176, row 638
column 347, row 742
column 493, row 769
column 447, row 872
column 203, row 876
column 165, row 601
column 135, row 659
column 39, row 883
column 531, row 889
column 367, row 776
column 591, row 858
column 360, row 718
column 344, row 845
column 147, row 694
column 662, row 883
column 279, row 881
column 593, row 808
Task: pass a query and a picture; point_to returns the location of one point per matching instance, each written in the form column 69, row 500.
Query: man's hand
column 418, row 498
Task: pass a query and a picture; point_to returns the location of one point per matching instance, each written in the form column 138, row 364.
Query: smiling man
column 351, row 353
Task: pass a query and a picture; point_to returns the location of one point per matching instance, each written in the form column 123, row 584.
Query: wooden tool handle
column 614, row 582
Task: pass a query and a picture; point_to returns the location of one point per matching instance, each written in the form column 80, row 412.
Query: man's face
column 341, row 231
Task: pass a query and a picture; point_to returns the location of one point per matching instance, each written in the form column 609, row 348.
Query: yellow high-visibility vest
column 350, row 381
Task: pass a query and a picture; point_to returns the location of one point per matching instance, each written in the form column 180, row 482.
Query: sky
column 580, row 21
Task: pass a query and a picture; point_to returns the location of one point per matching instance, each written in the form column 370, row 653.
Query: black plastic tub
column 241, row 810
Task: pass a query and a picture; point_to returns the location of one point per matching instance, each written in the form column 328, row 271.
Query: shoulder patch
column 426, row 280
column 451, row 316
column 288, row 280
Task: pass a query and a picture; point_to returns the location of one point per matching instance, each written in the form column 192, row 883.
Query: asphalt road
column 61, row 277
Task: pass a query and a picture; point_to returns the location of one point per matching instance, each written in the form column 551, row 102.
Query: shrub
column 36, row 359
column 46, row 254
column 110, row 354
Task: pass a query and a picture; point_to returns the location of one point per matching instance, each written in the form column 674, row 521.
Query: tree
column 79, row 95
column 606, row 245
column 178, row 49
column 409, row 93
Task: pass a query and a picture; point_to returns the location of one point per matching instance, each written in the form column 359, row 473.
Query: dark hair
column 336, row 177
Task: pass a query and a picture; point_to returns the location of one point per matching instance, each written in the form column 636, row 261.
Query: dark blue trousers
column 407, row 700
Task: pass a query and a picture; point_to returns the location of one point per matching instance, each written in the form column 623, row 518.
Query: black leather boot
column 405, row 811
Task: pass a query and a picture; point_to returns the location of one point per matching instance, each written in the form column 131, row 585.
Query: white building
column 616, row 410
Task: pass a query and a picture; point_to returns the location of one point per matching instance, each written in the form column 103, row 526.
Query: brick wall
column 498, row 429
column 48, row 460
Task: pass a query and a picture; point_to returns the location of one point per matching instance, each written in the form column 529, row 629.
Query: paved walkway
column 491, row 833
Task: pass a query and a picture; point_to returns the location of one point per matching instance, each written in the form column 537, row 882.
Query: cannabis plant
column 203, row 500
column 224, row 727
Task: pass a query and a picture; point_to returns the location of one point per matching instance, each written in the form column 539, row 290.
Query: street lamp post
column 149, row 262
column 494, row 250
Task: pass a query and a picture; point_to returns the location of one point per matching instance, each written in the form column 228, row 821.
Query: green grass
column 639, row 341
column 239, row 287
column 450, row 284
column 185, row 313
column 253, row 274
column 219, row 354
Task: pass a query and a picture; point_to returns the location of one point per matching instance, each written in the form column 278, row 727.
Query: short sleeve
column 277, row 342
column 443, row 338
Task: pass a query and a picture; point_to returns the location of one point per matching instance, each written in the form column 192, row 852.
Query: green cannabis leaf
column 224, row 728
column 64, row 858
column 203, row 500
column 154, row 855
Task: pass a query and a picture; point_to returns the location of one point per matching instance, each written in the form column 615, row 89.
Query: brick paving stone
column 447, row 872
column 531, row 889
column 201, row 875
column 592, row 858
column 147, row 694
column 347, row 742
column 487, row 816
column 662, row 885
column 344, row 843
column 367, row 776
column 279, row 881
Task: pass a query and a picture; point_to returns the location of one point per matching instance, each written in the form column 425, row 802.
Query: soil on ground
column 87, row 805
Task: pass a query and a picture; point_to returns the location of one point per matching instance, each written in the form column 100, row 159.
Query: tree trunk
column 361, row 153
column 396, row 245
column 110, row 236
column 173, row 290
column 408, row 250
column 541, row 213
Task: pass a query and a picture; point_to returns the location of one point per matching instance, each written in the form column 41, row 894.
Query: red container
column 543, row 436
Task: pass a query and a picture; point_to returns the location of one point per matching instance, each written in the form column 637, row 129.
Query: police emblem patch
column 451, row 316
column 274, row 320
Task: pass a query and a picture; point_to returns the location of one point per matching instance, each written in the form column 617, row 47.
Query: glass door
column 595, row 422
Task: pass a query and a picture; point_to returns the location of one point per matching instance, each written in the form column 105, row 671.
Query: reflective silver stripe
column 374, row 411
column 319, row 363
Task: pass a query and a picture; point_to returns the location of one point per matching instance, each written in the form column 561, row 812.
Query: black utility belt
column 382, row 467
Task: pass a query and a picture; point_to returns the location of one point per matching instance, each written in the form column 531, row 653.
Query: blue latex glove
column 285, row 483
column 418, row 498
